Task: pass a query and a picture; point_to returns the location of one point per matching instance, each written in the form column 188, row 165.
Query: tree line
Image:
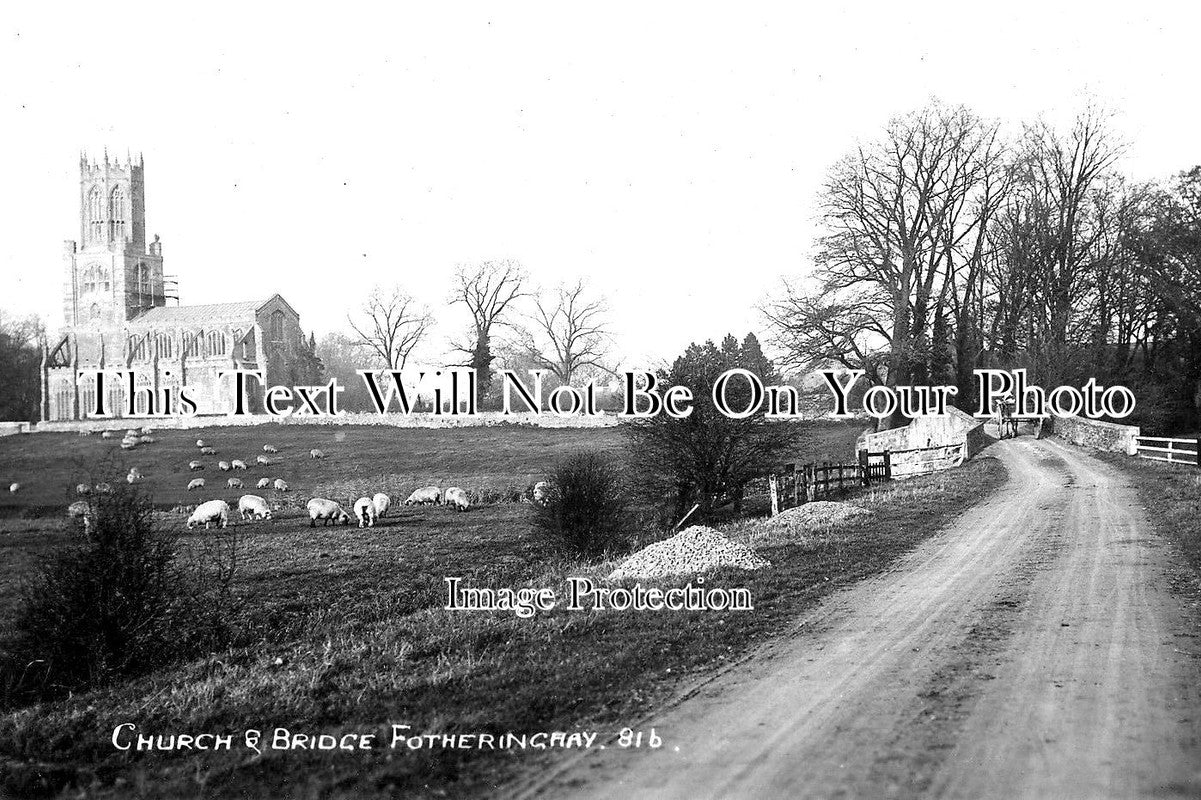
column 949, row 245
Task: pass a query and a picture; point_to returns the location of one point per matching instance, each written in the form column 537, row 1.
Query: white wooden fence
column 1173, row 451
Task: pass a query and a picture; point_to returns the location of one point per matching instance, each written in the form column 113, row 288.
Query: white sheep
column 134, row 432
column 251, row 506
column 364, row 511
column 147, row 431
column 128, row 445
column 237, row 464
column 104, row 488
column 83, row 489
column 136, row 472
column 146, row 440
column 106, row 434
column 327, row 511
column 195, row 465
column 280, row 485
column 262, row 461
column 234, row 483
column 223, row 466
column 208, row 451
column 315, row 453
column 211, row 511
column 132, row 479
column 200, row 443
column 14, row 487
column 424, row 496
column 382, row 503
column 458, row 498
column 81, row 510
column 263, row 483
column 541, row 493
column 269, row 449
column 195, row 483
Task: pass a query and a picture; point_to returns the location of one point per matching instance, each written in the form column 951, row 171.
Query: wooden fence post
column 864, row 474
column 774, row 487
column 887, row 465
column 809, row 479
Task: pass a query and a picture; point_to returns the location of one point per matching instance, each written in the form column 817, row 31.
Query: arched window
column 116, row 213
column 95, row 311
column 277, row 326
column 102, row 279
column 95, row 214
column 89, row 279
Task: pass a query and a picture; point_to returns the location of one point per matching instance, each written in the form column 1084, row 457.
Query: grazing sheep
column 269, row 449
column 251, row 506
column 458, row 498
column 147, row 431
column 104, row 488
column 327, row 511
column 200, row 443
column 127, row 445
column 211, row 511
column 315, row 453
column 195, row 483
column 147, row 440
column 132, row 432
column 223, row 466
column 195, row 465
column 425, row 496
column 541, row 493
column 132, row 479
column 364, row 511
column 280, row 485
column 382, row 503
column 81, row 510
column 208, row 451
column 134, row 471
column 263, row 483
column 237, row 464
column 263, row 461
column 106, row 434
column 14, row 487
column 83, row 489
column 234, row 483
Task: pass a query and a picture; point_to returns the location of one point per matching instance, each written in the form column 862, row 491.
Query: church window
column 95, row 311
column 116, row 213
column 102, row 279
column 95, row 214
column 277, row 326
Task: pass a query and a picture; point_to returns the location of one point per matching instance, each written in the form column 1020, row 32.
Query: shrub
column 586, row 513
column 116, row 602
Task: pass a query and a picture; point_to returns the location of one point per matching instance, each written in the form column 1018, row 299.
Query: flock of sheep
column 252, row 508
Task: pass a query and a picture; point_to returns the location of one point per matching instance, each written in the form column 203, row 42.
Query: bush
column 586, row 513
column 116, row 602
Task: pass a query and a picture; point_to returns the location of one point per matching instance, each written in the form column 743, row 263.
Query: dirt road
column 1033, row 649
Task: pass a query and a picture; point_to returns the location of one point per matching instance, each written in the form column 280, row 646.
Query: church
column 117, row 315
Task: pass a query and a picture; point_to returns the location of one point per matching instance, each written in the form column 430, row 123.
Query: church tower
column 112, row 276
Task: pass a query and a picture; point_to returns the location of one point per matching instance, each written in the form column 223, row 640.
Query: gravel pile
column 694, row 549
column 817, row 514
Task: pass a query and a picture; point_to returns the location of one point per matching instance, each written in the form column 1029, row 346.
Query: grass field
column 342, row 629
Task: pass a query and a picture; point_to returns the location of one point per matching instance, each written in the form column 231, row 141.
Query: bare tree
column 391, row 324
column 487, row 289
column 570, row 331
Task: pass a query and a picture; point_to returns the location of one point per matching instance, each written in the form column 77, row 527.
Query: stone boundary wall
column 425, row 420
column 954, row 427
column 1098, row 435
column 13, row 428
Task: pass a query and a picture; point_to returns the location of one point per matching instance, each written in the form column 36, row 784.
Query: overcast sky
column 671, row 153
